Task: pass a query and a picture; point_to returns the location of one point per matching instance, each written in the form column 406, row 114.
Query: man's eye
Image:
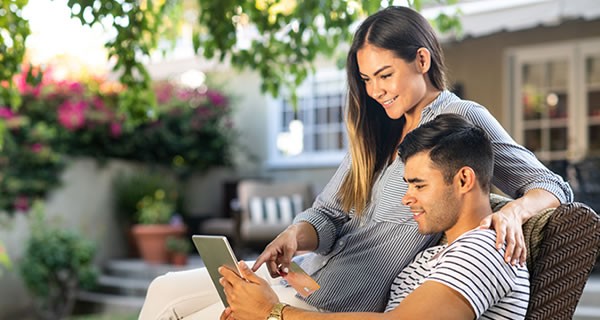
column 419, row 187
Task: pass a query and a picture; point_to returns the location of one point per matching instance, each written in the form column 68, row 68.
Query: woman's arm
column 508, row 221
column 518, row 173
column 315, row 229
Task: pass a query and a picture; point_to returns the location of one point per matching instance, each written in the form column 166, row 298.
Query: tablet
column 215, row 252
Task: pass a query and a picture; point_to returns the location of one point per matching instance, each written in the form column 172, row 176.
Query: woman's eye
column 385, row 76
column 364, row 79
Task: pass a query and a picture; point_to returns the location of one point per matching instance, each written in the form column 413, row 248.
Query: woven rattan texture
column 565, row 258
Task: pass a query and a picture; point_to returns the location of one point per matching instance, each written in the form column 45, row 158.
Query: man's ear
column 423, row 60
column 467, row 179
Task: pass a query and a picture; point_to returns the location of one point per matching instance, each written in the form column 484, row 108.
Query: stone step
column 126, row 286
column 138, row 269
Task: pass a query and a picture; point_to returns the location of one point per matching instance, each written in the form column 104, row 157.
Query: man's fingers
column 247, row 273
column 225, row 314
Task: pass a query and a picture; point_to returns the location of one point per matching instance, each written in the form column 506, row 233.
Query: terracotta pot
column 151, row 240
column 179, row 259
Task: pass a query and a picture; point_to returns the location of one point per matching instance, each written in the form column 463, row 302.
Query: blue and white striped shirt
column 357, row 259
column 473, row 267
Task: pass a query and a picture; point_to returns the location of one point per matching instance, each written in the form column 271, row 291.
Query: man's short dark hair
column 452, row 142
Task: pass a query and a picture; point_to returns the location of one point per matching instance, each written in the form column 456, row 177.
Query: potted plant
column 147, row 203
column 179, row 249
column 55, row 264
column 155, row 223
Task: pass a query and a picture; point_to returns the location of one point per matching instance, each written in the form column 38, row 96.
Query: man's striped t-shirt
column 473, row 267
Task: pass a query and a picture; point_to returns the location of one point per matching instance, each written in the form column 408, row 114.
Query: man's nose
column 407, row 199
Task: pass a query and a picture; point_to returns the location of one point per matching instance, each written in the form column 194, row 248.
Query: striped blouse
column 357, row 259
column 473, row 267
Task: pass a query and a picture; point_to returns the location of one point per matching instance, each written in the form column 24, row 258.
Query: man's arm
column 253, row 298
column 432, row 300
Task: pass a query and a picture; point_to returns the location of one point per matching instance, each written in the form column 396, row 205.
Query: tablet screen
column 215, row 252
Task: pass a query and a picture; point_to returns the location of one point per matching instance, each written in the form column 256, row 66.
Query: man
column 448, row 167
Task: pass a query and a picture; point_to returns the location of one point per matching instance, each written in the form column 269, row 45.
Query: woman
column 360, row 234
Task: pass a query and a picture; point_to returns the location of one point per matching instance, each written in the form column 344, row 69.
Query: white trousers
column 190, row 295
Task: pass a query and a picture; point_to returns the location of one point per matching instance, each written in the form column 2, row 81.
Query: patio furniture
column 267, row 208
column 563, row 246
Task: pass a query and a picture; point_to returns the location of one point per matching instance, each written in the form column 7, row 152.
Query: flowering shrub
column 192, row 131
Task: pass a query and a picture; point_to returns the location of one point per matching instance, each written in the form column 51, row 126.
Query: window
column 555, row 100
column 321, row 101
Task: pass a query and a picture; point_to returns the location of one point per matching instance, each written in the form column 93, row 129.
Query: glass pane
column 594, row 138
column 592, row 68
column 557, row 105
column 533, row 103
column 320, row 142
column 594, row 103
column 321, row 116
column 340, row 140
column 558, row 139
column 558, row 72
column 335, row 114
column 533, row 74
column 533, row 140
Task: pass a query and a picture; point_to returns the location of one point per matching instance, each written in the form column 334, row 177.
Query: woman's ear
column 423, row 60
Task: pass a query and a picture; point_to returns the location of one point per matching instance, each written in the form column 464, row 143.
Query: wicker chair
column 563, row 246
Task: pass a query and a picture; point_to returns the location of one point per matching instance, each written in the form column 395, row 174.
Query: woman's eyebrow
column 376, row 72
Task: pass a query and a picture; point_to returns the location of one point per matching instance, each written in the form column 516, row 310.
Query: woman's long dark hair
column 373, row 135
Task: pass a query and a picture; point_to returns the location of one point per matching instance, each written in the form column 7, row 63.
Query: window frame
column 307, row 159
column 575, row 53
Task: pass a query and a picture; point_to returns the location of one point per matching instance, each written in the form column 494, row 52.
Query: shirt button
column 324, row 263
column 341, row 243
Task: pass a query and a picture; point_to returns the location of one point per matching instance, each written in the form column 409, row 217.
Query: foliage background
column 280, row 39
column 58, row 119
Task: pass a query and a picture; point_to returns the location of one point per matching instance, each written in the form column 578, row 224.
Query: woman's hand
column 508, row 225
column 249, row 298
column 508, row 222
column 278, row 254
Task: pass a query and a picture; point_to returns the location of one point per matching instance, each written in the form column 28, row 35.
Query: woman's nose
column 377, row 92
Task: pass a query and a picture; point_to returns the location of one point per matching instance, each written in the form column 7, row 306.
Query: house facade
column 535, row 64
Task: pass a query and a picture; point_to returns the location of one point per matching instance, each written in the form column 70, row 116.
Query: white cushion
column 274, row 210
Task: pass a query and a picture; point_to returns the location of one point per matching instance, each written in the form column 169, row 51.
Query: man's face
column 434, row 203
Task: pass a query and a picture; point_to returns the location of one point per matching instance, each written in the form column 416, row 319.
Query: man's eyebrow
column 376, row 72
column 413, row 180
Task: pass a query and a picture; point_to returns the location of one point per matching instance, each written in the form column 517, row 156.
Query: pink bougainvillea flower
column 216, row 98
column 71, row 115
column 116, row 129
column 37, row 147
column 98, row 103
column 6, row 113
column 164, row 92
column 21, row 203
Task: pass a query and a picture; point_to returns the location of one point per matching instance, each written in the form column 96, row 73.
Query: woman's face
column 398, row 86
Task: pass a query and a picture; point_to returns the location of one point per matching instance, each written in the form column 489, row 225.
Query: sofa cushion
column 279, row 210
